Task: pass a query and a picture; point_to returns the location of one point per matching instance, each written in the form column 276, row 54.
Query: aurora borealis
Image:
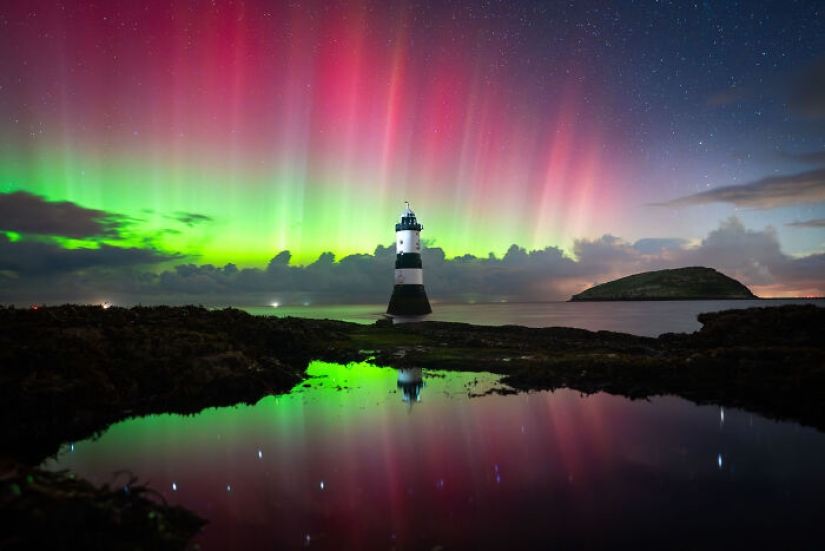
column 145, row 147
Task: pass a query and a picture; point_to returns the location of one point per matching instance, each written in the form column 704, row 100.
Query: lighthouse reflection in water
column 341, row 462
column 410, row 383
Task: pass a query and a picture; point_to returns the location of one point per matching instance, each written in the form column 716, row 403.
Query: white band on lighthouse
column 407, row 241
column 409, row 276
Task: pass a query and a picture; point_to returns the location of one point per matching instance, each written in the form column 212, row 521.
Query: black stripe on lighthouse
column 410, row 260
column 408, row 295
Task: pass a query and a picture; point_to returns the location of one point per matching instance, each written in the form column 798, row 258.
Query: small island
column 692, row 283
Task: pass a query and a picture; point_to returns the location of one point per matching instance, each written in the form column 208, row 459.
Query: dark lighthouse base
column 409, row 300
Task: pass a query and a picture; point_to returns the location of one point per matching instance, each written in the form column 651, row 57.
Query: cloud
column 191, row 218
column 35, row 263
column 805, row 274
column 767, row 193
column 33, row 271
column 26, row 213
column 32, row 258
column 807, row 94
column 747, row 255
column 604, row 255
column 816, row 223
column 660, row 245
column 753, row 257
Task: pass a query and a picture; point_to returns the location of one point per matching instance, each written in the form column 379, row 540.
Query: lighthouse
column 408, row 295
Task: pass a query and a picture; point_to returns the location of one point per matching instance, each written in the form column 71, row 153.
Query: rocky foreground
column 68, row 372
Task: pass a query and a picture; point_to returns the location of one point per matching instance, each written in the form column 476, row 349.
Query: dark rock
column 43, row 510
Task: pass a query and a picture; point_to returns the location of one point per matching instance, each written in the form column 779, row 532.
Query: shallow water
column 346, row 462
column 639, row 318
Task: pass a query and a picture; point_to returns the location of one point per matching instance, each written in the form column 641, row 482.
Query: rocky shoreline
column 68, row 372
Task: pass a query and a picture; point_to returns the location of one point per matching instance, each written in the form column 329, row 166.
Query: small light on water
column 260, row 454
column 174, row 487
column 322, row 484
column 720, row 461
column 275, row 304
column 228, row 488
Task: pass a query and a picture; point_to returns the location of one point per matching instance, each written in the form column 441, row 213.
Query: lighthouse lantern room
column 408, row 296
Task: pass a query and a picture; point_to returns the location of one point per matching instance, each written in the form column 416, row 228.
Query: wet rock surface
column 67, row 373
column 48, row 510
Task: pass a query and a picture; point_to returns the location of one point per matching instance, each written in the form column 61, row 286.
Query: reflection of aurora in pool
column 344, row 462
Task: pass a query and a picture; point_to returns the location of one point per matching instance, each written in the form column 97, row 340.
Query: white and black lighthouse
column 408, row 295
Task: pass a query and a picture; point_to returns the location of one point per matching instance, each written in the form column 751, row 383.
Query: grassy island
column 68, row 372
column 694, row 283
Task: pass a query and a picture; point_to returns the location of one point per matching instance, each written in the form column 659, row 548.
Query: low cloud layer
column 192, row 219
column 817, row 223
column 34, row 260
column 35, row 273
column 767, row 193
column 37, row 259
column 26, row 213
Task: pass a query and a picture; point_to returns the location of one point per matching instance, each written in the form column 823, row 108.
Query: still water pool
column 360, row 457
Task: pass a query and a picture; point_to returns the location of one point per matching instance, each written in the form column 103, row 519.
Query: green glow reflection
column 327, row 380
column 326, row 376
column 353, row 395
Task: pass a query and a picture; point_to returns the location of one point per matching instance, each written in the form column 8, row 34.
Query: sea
column 643, row 318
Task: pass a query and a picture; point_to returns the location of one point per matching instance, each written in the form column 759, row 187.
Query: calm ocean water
column 649, row 319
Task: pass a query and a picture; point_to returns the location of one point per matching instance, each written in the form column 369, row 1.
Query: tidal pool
column 360, row 457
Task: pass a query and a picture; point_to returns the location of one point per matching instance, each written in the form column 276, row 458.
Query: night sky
column 176, row 150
